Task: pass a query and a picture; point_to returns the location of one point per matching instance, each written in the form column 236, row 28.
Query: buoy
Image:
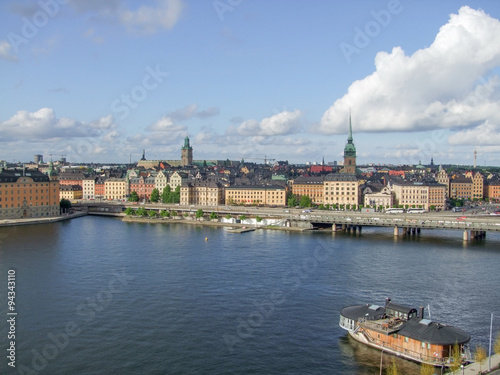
column 206, row 238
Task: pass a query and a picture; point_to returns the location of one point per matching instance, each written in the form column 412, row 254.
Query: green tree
column 65, row 204
column 199, row 213
column 129, row 211
column 432, row 207
column 152, row 213
column 155, row 195
column 174, row 213
column 165, row 195
column 292, row 200
column 393, row 368
column 305, row 201
column 258, row 219
column 214, row 216
column 480, row 356
column 133, row 197
column 228, row 216
column 496, row 345
column 242, row 218
column 176, row 195
column 141, row 211
column 164, row 213
column 456, row 358
column 427, row 369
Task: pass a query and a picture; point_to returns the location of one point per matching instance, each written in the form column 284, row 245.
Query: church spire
column 349, row 138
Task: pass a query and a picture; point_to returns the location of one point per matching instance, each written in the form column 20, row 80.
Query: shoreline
column 210, row 223
column 40, row 220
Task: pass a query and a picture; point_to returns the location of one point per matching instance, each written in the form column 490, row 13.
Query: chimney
column 387, row 300
column 421, row 312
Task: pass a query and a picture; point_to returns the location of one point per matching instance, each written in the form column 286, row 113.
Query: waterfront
column 155, row 298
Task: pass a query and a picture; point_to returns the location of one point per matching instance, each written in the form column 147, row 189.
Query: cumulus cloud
column 44, row 125
column 443, row 86
column 484, row 134
column 6, row 51
column 282, row 123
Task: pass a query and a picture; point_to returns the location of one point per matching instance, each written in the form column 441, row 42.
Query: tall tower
column 475, row 158
column 186, row 153
column 349, row 153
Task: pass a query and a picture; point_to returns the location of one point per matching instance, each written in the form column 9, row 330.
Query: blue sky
column 101, row 80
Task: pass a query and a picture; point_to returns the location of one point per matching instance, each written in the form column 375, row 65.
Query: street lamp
column 463, row 368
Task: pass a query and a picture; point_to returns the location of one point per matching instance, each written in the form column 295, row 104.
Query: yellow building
column 420, row 195
column 341, row 189
column 70, row 192
column 115, row 188
column 202, row 193
column 266, row 195
column 26, row 193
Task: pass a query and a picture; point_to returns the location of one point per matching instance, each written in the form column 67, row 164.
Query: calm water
column 98, row 296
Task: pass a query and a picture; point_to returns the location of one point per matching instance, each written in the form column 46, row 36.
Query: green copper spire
column 350, row 149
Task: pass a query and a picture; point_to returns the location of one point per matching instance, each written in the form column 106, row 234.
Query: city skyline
column 102, row 80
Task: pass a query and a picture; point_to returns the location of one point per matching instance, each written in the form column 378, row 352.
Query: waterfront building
column 161, row 181
column 349, row 153
column 477, row 186
column 88, row 188
column 377, row 196
column 186, row 153
column 203, row 193
column 260, row 195
column 72, row 177
column 310, row 186
column 461, row 188
column 176, row 179
column 492, row 191
column 424, row 195
column 100, row 187
column 26, row 193
column 341, row 189
column 443, row 179
column 70, row 192
column 115, row 188
column 143, row 186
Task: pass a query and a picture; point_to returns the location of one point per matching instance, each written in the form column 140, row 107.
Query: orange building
column 492, row 191
column 26, row 193
column 309, row 186
column 265, row 195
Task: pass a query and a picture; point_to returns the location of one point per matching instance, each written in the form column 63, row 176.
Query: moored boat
column 404, row 331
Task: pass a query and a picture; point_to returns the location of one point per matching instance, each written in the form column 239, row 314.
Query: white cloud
column 44, row 125
column 148, row 20
column 442, row 86
column 484, row 134
column 6, row 51
column 283, row 123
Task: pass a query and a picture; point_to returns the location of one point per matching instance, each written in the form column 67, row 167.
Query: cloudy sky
column 101, row 80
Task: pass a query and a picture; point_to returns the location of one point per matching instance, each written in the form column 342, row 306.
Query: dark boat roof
column 400, row 308
column 425, row 330
column 359, row 311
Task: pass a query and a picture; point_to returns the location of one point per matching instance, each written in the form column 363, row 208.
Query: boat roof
column 425, row 330
column 400, row 308
column 359, row 311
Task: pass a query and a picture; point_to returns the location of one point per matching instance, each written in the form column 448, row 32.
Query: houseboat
column 403, row 331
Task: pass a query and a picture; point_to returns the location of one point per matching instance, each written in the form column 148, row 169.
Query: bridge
column 472, row 226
